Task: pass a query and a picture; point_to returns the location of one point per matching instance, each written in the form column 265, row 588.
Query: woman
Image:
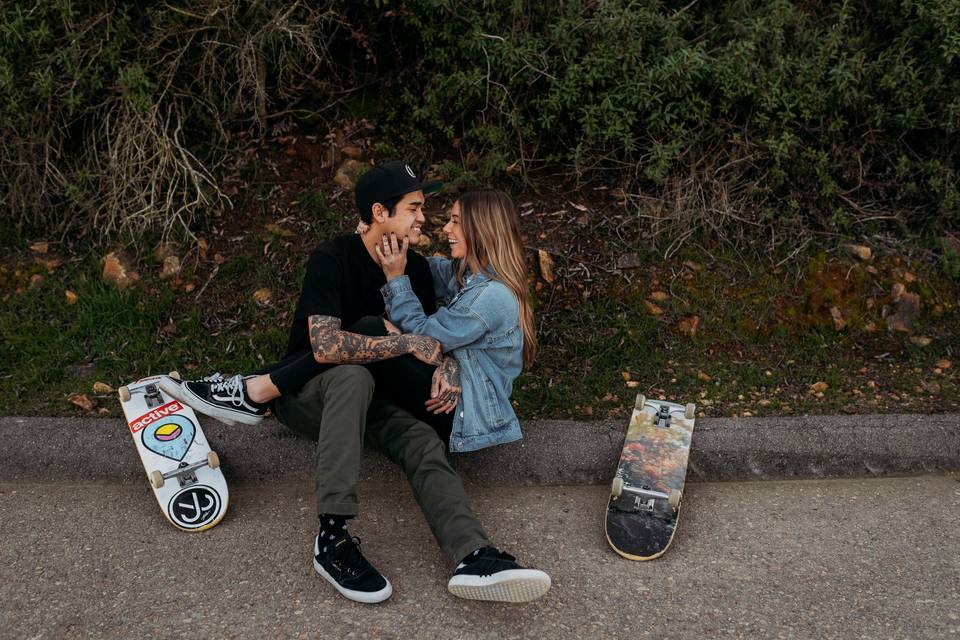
column 487, row 323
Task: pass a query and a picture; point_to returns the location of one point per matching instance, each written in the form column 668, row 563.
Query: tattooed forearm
column 332, row 345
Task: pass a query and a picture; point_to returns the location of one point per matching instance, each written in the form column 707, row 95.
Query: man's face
column 408, row 217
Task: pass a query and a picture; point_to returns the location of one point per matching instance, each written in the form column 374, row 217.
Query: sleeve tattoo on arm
column 333, row 345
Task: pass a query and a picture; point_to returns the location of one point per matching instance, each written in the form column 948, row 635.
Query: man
column 337, row 405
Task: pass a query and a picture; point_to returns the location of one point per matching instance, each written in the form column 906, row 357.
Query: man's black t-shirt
column 343, row 281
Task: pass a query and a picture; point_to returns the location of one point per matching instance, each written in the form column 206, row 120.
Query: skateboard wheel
column 690, row 411
column 641, row 400
column 617, row 487
column 175, row 375
column 156, row 479
column 213, row 460
column 674, row 498
column 124, row 393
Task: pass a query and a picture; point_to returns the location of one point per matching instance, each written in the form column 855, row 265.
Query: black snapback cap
column 386, row 182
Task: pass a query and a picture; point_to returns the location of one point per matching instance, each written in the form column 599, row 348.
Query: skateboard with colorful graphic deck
column 646, row 493
column 184, row 472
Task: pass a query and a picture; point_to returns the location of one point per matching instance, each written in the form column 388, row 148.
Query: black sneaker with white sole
column 490, row 574
column 173, row 387
column 343, row 566
column 225, row 400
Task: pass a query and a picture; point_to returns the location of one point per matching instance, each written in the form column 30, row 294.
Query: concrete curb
column 553, row 451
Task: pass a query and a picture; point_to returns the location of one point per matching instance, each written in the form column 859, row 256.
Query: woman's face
column 454, row 231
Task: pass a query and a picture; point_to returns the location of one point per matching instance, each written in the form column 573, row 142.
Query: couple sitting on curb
column 407, row 386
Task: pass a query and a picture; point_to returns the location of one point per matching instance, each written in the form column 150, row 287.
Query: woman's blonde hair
column 492, row 231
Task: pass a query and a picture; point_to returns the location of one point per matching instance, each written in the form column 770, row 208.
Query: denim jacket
column 480, row 327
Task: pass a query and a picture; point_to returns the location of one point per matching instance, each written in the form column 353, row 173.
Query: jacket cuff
column 396, row 287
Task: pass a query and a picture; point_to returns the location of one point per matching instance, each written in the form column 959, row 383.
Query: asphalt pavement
column 768, row 546
column 853, row 558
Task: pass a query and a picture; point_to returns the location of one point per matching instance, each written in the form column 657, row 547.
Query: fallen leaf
column 625, row 375
column 171, row 267
column 40, row 247
column 943, row 363
column 71, row 296
column 660, row 296
column 838, row 321
column 704, row 377
column 653, row 309
column 578, row 207
column 278, row 230
column 921, row 341
column 689, row 325
column 860, row 251
column 819, row 387
column 35, row 279
column 263, row 296
column 50, row 264
column 633, row 384
column 102, row 388
column 546, row 266
column 83, row 401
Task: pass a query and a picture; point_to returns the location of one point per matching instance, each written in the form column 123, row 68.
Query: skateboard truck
column 619, row 487
column 185, row 473
column 151, row 394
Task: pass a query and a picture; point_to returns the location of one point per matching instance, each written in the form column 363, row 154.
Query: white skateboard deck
column 183, row 471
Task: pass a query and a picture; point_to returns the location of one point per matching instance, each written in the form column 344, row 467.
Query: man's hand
column 391, row 328
column 423, row 348
column 445, row 389
column 392, row 256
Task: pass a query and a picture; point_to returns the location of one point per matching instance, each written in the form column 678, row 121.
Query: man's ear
column 380, row 213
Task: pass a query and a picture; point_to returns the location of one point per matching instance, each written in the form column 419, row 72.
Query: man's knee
column 349, row 378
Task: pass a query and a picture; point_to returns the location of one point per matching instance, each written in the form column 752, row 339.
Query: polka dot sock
column 332, row 528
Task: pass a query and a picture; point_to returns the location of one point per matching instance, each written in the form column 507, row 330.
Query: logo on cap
column 410, row 171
